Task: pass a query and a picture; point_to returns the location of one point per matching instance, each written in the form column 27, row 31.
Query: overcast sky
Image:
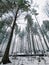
column 42, row 15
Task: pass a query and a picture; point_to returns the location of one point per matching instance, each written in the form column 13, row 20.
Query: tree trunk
column 33, row 45
column 5, row 58
column 32, row 37
column 37, row 44
column 46, row 36
column 44, row 39
column 41, row 42
column 42, row 34
column 21, row 46
column 29, row 43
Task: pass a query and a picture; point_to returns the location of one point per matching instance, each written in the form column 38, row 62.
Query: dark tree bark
column 5, row 58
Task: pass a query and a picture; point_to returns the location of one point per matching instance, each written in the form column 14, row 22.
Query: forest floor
column 27, row 61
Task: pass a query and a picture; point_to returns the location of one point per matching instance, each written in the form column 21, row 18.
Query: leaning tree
column 15, row 6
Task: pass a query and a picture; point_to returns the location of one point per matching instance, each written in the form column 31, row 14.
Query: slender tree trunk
column 32, row 37
column 42, row 34
column 37, row 44
column 21, row 46
column 41, row 42
column 33, row 45
column 46, row 36
column 29, row 43
column 44, row 39
column 5, row 58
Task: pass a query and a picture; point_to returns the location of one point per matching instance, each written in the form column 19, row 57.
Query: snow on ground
column 27, row 61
